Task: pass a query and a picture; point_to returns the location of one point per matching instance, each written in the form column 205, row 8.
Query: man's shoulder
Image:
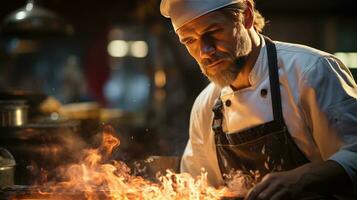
column 298, row 55
column 299, row 49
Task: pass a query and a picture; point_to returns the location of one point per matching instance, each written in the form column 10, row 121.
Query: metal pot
column 13, row 113
column 33, row 99
column 7, row 168
column 34, row 21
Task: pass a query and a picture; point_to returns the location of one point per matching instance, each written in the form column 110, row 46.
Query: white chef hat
column 184, row 11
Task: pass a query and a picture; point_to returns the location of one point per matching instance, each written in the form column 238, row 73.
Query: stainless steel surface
column 13, row 113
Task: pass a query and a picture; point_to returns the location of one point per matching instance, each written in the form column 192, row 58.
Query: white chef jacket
column 319, row 102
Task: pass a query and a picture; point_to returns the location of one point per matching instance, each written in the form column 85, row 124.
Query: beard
column 226, row 76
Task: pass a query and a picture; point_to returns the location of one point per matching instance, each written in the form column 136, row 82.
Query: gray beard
column 226, row 77
column 244, row 46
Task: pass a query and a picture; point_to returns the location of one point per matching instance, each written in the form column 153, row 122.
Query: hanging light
column 118, row 48
column 33, row 21
column 139, row 49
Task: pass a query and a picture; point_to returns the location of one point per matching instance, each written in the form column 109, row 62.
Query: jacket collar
column 259, row 71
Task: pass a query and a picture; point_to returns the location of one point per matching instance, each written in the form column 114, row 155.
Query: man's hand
column 314, row 178
column 279, row 185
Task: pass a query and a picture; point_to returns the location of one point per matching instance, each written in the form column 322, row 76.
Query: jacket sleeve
column 329, row 102
column 200, row 151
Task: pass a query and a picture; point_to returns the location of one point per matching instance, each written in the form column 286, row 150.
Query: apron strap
column 275, row 91
column 274, row 80
column 217, row 117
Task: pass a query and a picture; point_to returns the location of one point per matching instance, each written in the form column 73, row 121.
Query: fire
column 97, row 177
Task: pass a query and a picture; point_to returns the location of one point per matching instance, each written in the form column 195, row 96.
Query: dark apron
column 267, row 147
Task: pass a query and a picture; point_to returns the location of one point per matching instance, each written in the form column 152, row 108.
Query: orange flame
column 96, row 179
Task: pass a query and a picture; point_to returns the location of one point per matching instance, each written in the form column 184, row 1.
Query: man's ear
column 248, row 15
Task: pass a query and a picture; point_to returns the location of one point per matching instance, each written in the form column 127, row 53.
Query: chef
column 284, row 110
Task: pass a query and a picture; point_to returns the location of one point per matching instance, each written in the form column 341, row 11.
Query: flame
column 96, row 177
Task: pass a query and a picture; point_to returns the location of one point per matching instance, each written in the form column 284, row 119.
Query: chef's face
column 219, row 44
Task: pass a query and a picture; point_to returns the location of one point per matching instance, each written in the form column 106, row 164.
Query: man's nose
column 207, row 50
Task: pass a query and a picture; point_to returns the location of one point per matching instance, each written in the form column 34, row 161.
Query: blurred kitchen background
column 80, row 64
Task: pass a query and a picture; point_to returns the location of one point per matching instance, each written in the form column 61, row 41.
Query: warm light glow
column 139, row 49
column 20, row 15
column 160, row 78
column 348, row 58
column 118, row 48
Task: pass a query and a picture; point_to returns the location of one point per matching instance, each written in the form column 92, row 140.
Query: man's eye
column 190, row 41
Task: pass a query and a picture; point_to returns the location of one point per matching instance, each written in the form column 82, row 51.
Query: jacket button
column 263, row 92
column 228, row 103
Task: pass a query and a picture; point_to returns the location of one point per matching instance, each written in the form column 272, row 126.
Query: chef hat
column 184, row 11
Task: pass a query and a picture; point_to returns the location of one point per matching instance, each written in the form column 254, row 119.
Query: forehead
column 201, row 23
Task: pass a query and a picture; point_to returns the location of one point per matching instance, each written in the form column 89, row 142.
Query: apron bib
column 267, row 147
